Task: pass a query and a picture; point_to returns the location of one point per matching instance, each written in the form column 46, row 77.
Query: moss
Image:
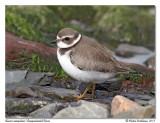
column 143, row 77
column 51, row 95
column 81, row 13
column 22, row 109
column 54, row 96
column 38, row 63
column 35, row 23
column 23, row 29
column 124, row 24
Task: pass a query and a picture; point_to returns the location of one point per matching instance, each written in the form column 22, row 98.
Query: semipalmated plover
column 86, row 60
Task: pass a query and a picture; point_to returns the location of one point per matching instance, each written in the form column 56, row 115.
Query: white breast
column 76, row 73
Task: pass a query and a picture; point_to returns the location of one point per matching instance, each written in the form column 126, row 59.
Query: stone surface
column 126, row 50
column 15, row 76
column 56, row 93
column 150, row 62
column 24, row 92
column 28, row 79
column 133, row 96
column 23, row 105
column 73, row 84
column 15, row 45
column 18, row 117
column 121, row 104
column 152, row 102
column 145, row 112
column 39, row 78
column 141, row 102
column 110, row 85
column 48, row 111
column 84, row 109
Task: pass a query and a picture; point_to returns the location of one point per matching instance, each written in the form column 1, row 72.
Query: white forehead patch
column 61, row 44
column 70, row 36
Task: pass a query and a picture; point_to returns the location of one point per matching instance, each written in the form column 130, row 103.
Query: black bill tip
column 54, row 41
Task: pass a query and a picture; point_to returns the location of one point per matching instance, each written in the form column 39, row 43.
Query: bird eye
column 67, row 38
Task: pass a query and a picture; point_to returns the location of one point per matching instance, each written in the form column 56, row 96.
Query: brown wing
column 91, row 56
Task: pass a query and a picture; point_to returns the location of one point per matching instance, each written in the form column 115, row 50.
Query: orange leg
column 84, row 94
column 93, row 89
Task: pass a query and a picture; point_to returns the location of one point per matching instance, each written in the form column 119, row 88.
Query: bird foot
column 80, row 97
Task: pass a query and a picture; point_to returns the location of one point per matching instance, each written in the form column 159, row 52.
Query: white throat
column 64, row 45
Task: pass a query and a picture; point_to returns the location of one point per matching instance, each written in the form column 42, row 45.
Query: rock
column 126, row 50
column 150, row 62
column 101, row 94
column 24, row 92
column 152, row 102
column 144, row 112
column 15, row 76
column 121, row 104
column 31, row 78
column 84, row 109
column 57, row 84
column 39, row 78
column 83, row 86
column 141, row 102
column 18, row 117
column 15, row 45
column 48, row 111
column 46, row 79
column 152, row 90
column 56, row 93
column 72, row 84
column 110, row 85
column 107, row 100
column 133, row 96
column 138, row 66
column 24, row 105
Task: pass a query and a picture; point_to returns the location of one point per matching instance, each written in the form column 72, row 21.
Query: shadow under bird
column 86, row 60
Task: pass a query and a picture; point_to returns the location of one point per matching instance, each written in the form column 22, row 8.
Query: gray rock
column 126, row 50
column 84, row 109
column 141, row 102
column 107, row 100
column 109, row 85
column 15, row 76
column 152, row 90
column 133, row 96
column 56, row 93
column 31, row 78
column 39, row 78
column 150, row 62
column 23, row 105
column 18, row 117
column 48, row 111
column 24, row 92
column 72, row 84
column 152, row 102
column 101, row 94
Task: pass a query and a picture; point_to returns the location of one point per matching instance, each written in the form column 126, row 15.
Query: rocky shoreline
column 39, row 95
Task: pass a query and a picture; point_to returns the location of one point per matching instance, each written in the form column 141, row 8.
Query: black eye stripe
column 66, row 38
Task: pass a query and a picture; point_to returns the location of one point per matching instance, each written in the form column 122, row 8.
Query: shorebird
column 85, row 60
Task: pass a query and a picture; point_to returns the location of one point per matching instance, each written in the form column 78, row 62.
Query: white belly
column 83, row 76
